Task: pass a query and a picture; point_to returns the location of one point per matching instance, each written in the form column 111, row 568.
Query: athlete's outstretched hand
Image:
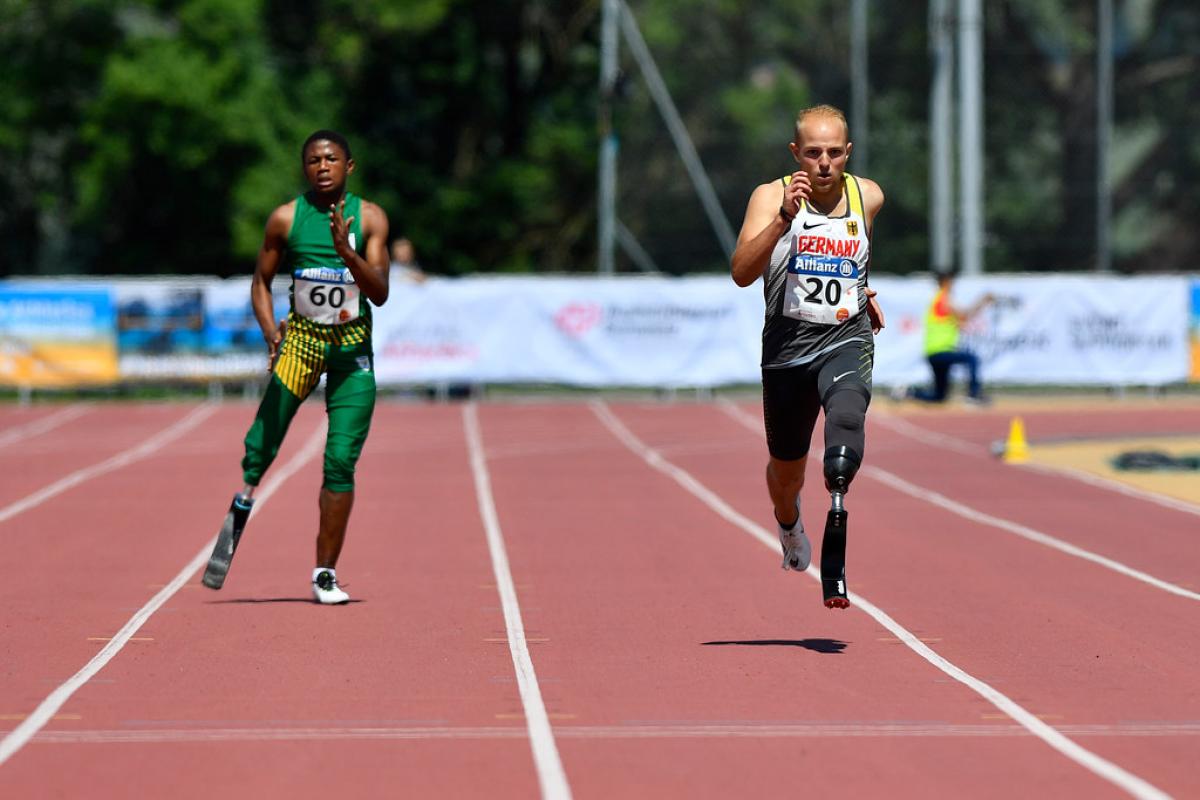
column 273, row 343
column 874, row 311
column 339, row 226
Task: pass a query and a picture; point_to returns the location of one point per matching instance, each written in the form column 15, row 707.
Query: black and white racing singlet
column 815, row 284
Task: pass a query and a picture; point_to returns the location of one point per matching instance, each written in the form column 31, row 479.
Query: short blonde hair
column 828, row 111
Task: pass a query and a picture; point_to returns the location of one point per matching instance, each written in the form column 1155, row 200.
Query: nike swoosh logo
column 808, row 227
column 837, row 378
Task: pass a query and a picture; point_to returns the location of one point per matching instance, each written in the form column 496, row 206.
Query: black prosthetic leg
column 227, row 541
column 841, row 464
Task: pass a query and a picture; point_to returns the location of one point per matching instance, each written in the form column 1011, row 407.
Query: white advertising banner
column 1050, row 329
column 667, row 332
column 680, row 332
column 574, row 331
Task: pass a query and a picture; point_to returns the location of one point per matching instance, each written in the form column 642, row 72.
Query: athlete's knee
column 788, row 473
column 841, row 465
column 339, row 469
column 849, row 412
column 847, row 408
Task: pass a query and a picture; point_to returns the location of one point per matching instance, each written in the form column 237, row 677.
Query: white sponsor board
column 1047, row 329
column 586, row 332
column 668, row 332
column 705, row 331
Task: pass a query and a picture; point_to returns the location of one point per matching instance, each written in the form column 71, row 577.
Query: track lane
column 87, row 557
column 656, row 613
column 20, row 424
column 258, row 659
column 80, row 442
column 1058, row 630
column 1146, row 536
column 93, row 555
column 1088, row 420
column 679, row 661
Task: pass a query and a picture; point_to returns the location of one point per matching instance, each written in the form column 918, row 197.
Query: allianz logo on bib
column 325, row 274
column 806, row 264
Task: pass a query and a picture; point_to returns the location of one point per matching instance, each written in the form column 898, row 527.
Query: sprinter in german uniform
column 808, row 235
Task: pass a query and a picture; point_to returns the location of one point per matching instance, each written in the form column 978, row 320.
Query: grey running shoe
column 797, row 550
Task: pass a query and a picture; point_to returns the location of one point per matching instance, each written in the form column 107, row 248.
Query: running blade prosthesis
column 227, row 542
column 833, row 561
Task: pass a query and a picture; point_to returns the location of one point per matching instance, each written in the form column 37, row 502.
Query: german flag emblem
column 852, row 227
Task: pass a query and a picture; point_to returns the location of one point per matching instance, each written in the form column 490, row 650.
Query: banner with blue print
column 56, row 335
column 190, row 329
column 586, row 331
column 1195, row 326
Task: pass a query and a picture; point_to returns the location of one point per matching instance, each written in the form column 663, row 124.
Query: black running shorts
column 792, row 396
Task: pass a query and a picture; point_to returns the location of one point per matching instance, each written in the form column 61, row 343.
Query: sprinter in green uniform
column 334, row 246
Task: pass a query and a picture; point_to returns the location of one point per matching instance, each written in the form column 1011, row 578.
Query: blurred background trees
column 155, row 136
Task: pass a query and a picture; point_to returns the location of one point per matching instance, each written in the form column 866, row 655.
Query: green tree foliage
column 53, row 51
column 739, row 73
column 155, row 136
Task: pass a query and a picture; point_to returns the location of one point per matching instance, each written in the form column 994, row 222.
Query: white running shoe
column 797, row 550
column 325, row 588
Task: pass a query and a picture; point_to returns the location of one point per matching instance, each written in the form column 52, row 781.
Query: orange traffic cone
column 1016, row 448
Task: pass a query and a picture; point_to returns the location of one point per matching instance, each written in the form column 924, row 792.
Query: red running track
column 673, row 657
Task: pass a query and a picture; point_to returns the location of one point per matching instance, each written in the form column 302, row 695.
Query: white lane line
column 1111, row 485
column 1024, row 531
column 21, row 735
column 551, row 776
column 122, row 459
column 1105, row 769
column 906, row 428
column 40, row 426
column 681, row 730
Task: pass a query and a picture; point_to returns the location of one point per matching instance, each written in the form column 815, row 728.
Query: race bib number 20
column 326, row 300
column 821, row 289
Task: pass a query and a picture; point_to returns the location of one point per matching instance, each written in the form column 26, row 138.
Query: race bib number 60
column 326, row 302
column 821, row 289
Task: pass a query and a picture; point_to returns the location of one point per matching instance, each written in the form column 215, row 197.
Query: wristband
column 785, row 217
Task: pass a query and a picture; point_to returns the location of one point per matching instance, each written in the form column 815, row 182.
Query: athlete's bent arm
column 371, row 272
column 269, row 258
column 770, row 211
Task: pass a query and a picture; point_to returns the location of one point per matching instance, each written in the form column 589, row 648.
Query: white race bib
column 326, row 295
column 821, row 289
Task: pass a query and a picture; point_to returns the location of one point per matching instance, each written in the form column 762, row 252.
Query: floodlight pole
column 970, row 134
column 941, row 143
column 859, row 126
column 1104, row 125
column 607, row 178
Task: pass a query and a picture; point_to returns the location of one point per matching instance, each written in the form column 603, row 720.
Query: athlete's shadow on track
column 307, row 600
column 816, row 645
